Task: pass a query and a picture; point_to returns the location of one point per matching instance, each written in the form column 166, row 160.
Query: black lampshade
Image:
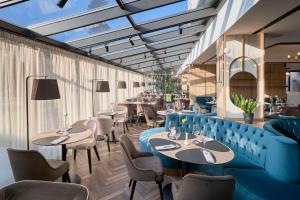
column 136, row 84
column 143, row 84
column 122, row 85
column 45, row 89
column 102, row 86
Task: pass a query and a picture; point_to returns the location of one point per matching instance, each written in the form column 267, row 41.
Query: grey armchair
column 197, row 187
column 141, row 166
column 31, row 165
column 151, row 118
column 43, row 190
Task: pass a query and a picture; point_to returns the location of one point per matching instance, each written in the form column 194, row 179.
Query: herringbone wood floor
column 109, row 180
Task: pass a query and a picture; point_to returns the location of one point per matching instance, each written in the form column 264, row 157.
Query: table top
column 165, row 112
column 76, row 135
column 107, row 112
column 139, row 102
column 192, row 153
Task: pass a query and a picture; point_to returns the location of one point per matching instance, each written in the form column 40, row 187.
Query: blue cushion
column 255, row 184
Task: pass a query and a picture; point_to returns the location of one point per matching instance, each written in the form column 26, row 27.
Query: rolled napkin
column 166, row 147
column 208, row 157
column 207, row 139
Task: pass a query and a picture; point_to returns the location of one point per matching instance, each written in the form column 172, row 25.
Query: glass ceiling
column 102, row 27
column 33, row 12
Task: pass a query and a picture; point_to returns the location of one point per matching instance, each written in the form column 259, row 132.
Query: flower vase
column 186, row 141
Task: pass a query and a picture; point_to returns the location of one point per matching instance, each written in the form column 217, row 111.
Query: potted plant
column 247, row 105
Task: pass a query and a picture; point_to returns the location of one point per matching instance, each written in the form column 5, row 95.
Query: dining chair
column 121, row 116
column 33, row 189
column 139, row 112
column 151, row 118
column 32, row 165
column 104, row 129
column 197, row 187
column 141, row 166
column 86, row 144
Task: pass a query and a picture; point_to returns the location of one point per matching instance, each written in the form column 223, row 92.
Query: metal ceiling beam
column 150, row 39
column 95, row 16
column 150, row 69
column 158, row 52
column 166, row 64
column 143, row 49
column 167, row 22
column 151, row 59
column 6, row 3
column 162, row 61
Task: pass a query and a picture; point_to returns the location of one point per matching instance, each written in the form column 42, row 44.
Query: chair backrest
column 29, row 165
column 79, row 124
column 122, row 113
column 92, row 126
column 104, row 125
column 149, row 113
column 194, row 187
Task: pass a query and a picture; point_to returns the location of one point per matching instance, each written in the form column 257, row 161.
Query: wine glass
column 172, row 129
column 177, row 134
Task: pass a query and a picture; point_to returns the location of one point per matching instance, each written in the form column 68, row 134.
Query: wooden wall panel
column 275, row 80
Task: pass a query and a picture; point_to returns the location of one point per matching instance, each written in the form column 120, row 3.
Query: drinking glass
column 177, row 134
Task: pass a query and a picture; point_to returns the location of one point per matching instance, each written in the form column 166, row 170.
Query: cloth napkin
column 166, row 147
column 208, row 157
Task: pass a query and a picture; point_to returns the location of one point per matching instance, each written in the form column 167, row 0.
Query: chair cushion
column 61, row 167
column 256, row 184
column 150, row 163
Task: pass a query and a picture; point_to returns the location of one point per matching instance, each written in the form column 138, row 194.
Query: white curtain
column 20, row 57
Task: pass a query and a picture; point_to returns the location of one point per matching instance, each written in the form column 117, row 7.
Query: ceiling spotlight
column 61, row 3
column 131, row 42
column 179, row 57
column 145, row 56
column 106, row 48
column 165, row 51
column 121, row 60
column 90, row 51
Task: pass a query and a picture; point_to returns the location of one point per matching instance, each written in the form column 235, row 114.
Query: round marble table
column 193, row 152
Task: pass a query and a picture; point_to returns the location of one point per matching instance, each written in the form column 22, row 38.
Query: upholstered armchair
column 104, row 129
column 30, row 190
column 141, row 166
column 121, row 116
column 86, row 144
column 151, row 118
column 31, row 165
column 196, row 187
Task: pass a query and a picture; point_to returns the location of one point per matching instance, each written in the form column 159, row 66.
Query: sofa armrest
column 283, row 159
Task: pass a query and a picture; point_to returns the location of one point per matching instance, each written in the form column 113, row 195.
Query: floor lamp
column 101, row 86
column 42, row 89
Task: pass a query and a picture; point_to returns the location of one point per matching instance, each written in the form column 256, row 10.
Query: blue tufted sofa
column 266, row 165
column 287, row 126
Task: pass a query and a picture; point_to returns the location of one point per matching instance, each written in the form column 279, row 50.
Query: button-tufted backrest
column 278, row 155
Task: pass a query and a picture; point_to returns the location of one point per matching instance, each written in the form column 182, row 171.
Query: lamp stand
column 27, row 110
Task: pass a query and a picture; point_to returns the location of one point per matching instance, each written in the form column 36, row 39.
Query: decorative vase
column 248, row 118
column 186, row 141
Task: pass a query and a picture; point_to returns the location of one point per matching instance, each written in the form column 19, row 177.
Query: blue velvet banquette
column 266, row 165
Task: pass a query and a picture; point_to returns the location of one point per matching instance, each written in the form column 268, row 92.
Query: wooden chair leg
column 89, row 160
column 74, row 152
column 132, row 190
column 108, row 145
column 126, row 126
column 96, row 151
column 130, row 182
column 161, row 191
column 123, row 127
column 66, row 177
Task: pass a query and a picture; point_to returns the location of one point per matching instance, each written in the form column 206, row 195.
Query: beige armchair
column 121, row 116
column 104, row 129
column 86, row 144
column 151, row 118
column 31, row 165
column 141, row 166
column 196, row 187
column 31, row 190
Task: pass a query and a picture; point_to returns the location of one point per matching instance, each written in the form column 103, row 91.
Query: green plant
column 247, row 105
